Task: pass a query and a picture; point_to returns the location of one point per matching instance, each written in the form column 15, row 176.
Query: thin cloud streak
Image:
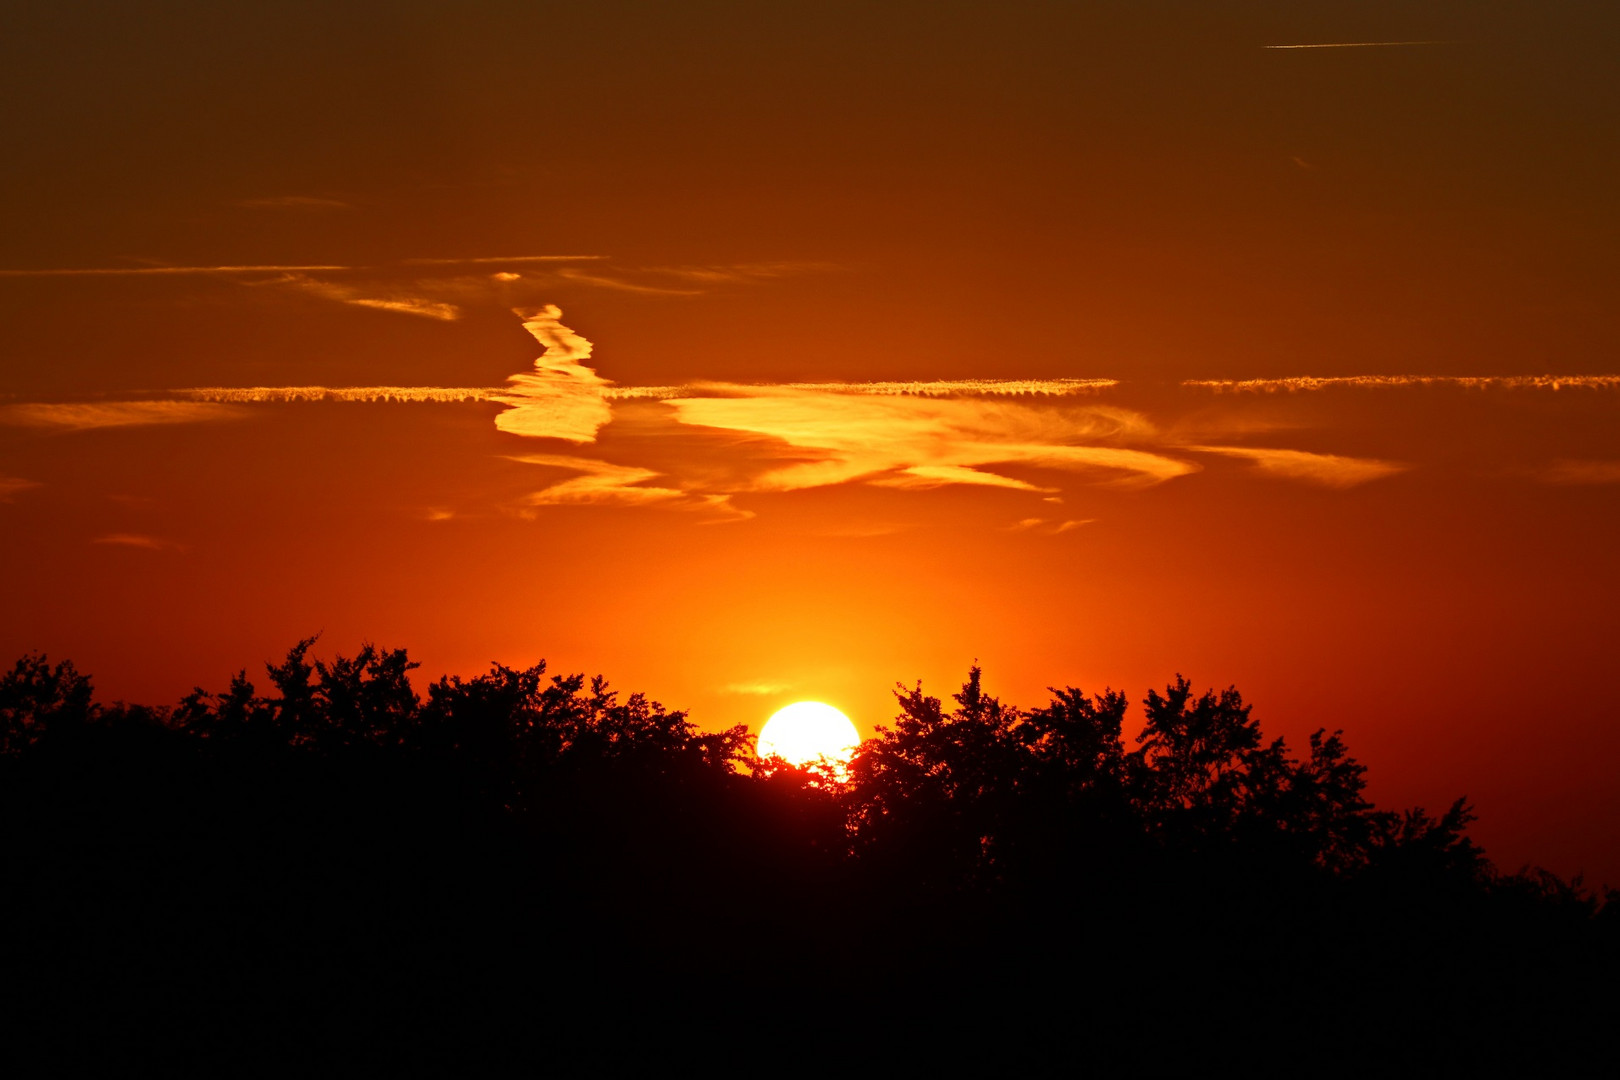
column 1326, row 470
column 605, row 483
column 15, row 485
column 159, row 271
column 492, row 259
column 599, row 483
column 399, row 303
column 1297, row 383
column 602, row 281
column 1577, row 473
column 756, row 689
column 1357, row 44
column 85, row 416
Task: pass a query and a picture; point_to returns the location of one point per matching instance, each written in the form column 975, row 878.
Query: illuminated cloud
column 13, row 485
column 1384, row 382
column 260, row 395
column 564, row 399
column 740, row 273
column 1572, row 472
column 757, row 689
column 600, row 483
column 932, row 476
column 83, row 416
column 484, row 260
column 158, row 271
column 605, row 281
column 1327, row 470
column 604, row 483
column 926, row 442
column 1035, row 524
column 138, row 540
column 399, row 302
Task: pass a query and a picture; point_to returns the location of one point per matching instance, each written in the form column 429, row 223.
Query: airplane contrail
column 1355, row 44
column 141, row 271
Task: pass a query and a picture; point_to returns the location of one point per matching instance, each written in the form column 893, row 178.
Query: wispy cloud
column 756, row 689
column 740, row 273
column 1357, row 44
column 83, row 416
column 1299, row 383
column 605, row 483
column 922, row 442
column 1035, row 524
column 1574, row 472
column 1326, row 470
column 622, row 284
column 599, row 483
column 483, row 260
column 138, row 540
column 14, row 485
column 401, row 302
column 178, row 271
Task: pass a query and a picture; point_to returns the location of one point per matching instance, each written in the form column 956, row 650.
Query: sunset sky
column 749, row 353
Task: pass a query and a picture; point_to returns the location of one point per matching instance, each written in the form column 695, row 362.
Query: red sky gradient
column 744, row 216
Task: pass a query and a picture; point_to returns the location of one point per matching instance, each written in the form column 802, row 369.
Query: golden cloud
column 1327, row 470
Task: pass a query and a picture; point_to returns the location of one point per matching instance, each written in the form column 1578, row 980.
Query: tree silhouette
column 519, row 848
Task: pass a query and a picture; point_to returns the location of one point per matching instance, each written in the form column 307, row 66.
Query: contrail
column 503, row 259
column 131, row 271
column 1355, row 44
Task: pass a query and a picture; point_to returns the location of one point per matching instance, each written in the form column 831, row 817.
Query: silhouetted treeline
column 536, row 867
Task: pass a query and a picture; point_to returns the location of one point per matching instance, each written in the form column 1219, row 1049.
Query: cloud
column 1035, row 524
column 15, row 485
column 1357, row 44
column 261, row 395
column 399, row 302
column 932, row 476
column 1299, row 383
column 483, row 260
column 83, row 416
column 758, row 689
column 1572, row 472
column 601, row 483
column 740, row 273
column 926, row 442
column 603, row 281
column 564, row 399
column 604, row 483
column 1327, row 470
column 138, row 540
column 158, row 271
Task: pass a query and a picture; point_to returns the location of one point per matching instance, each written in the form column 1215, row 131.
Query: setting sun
column 808, row 732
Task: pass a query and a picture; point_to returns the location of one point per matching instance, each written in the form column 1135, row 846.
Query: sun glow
column 810, row 733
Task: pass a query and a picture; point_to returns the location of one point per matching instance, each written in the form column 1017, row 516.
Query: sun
column 808, row 733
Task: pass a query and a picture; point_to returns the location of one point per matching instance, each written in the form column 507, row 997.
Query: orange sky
column 880, row 340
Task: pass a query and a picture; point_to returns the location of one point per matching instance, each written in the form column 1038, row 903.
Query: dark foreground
column 522, row 871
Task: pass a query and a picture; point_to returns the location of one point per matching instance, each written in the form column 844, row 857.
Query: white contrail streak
column 1471, row 382
column 135, row 271
column 941, row 388
column 503, row 259
column 1355, row 44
